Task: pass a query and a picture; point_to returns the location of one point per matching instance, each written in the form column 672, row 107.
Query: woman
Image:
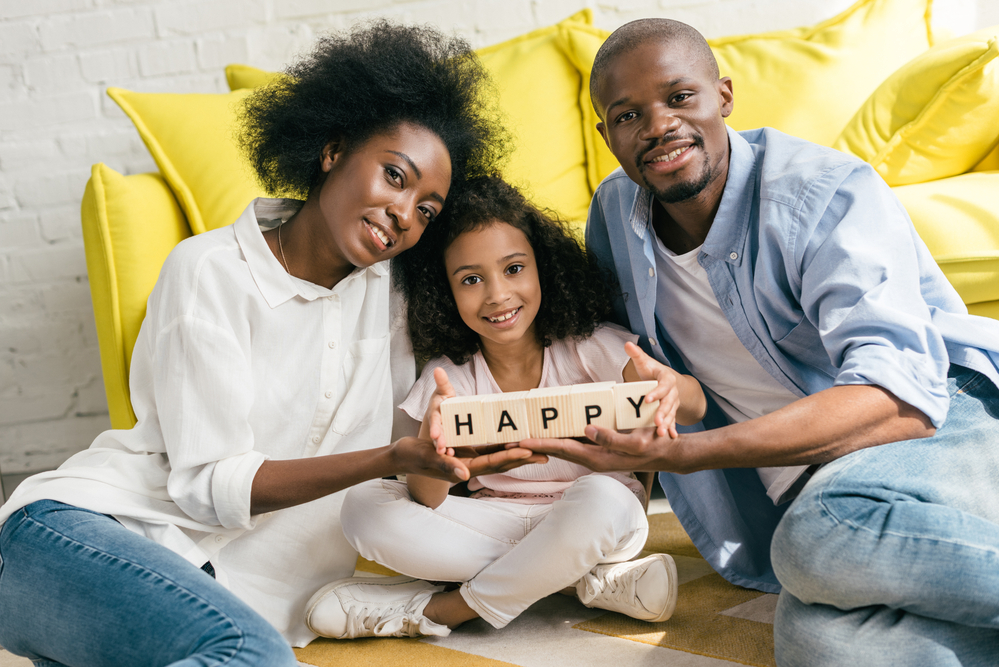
column 261, row 379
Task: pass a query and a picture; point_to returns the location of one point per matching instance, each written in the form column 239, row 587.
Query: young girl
column 512, row 303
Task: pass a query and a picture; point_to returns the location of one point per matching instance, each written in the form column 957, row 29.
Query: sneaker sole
column 674, row 588
column 328, row 589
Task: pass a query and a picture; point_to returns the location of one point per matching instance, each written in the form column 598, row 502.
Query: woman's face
column 494, row 279
column 377, row 199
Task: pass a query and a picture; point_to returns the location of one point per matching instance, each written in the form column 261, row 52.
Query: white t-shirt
column 714, row 355
column 598, row 358
column 237, row 362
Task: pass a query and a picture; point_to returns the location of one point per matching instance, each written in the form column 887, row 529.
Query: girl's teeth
column 504, row 318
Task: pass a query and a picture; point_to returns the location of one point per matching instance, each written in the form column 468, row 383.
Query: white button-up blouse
column 237, row 362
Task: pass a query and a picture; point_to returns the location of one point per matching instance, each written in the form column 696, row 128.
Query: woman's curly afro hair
column 575, row 292
column 357, row 84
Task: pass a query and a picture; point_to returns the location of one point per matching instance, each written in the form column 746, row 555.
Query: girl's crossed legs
column 509, row 555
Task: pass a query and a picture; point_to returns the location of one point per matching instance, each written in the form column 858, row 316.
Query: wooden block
column 506, row 416
column 549, row 412
column 592, row 403
column 464, row 422
column 631, row 410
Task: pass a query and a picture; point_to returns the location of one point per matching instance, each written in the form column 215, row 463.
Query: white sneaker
column 644, row 589
column 373, row 607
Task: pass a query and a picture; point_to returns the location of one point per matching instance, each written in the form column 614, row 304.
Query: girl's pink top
column 597, row 358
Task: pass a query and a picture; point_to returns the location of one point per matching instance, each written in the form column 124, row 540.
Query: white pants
column 508, row 555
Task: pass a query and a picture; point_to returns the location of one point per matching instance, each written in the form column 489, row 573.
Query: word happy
column 552, row 412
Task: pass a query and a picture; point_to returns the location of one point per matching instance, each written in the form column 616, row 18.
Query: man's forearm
column 815, row 429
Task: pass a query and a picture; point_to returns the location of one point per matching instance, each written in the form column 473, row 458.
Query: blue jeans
column 79, row 589
column 890, row 555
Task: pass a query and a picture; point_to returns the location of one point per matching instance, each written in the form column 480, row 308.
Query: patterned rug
column 715, row 624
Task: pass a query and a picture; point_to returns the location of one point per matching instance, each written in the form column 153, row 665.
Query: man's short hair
column 632, row 35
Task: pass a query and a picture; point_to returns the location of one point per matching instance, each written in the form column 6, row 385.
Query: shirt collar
column 274, row 283
column 725, row 240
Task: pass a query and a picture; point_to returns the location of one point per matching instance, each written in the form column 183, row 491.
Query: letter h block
column 464, row 422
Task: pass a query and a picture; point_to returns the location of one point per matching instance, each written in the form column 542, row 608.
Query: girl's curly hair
column 357, row 84
column 575, row 292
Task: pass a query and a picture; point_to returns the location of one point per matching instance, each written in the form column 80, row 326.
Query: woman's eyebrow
column 419, row 174
column 409, row 161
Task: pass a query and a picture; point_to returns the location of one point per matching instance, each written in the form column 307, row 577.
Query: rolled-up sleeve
column 204, row 393
column 860, row 287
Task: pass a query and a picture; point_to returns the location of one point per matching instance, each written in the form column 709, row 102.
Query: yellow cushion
column 937, row 116
column 958, row 219
column 130, row 224
column 989, row 309
column 192, row 140
column 539, row 97
column 807, row 82
column 539, row 93
column 243, row 76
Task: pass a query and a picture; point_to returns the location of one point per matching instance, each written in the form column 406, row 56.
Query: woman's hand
column 421, row 457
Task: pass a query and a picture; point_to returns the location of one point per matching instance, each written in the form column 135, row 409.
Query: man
column 847, row 375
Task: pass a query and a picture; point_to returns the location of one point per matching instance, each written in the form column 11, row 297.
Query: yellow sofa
column 872, row 81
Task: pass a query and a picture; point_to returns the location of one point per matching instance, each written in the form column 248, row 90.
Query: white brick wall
column 57, row 57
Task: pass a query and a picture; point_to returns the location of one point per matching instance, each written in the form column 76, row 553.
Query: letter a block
column 506, row 415
column 464, row 423
column 630, row 406
column 549, row 412
column 592, row 403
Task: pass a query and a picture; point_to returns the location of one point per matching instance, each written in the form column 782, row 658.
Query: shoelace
column 392, row 622
column 618, row 584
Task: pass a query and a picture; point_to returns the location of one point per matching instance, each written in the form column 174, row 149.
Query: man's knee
column 816, row 634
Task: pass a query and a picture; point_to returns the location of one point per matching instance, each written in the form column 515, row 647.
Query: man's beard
column 682, row 191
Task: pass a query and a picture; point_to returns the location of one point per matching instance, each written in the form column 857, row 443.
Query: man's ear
column 602, row 129
column 726, row 95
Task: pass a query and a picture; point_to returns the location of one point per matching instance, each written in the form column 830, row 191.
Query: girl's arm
column 425, row 490
column 681, row 399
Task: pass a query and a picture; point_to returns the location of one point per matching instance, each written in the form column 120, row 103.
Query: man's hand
column 610, row 451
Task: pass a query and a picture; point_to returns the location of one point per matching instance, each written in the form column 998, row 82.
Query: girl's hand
column 432, row 421
column 667, row 393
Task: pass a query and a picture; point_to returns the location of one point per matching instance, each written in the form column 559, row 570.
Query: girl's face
column 377, row 199
column 494, row 279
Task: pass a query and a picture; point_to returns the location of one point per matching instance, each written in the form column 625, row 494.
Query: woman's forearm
column 281, row 484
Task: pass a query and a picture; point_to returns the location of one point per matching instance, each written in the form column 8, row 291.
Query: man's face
column 664, row 116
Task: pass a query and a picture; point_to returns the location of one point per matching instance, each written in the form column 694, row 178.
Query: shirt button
column 652, row 272
column 733, row 255
column 332, row 344
column 218, row 539
column 329, row 394
column 336, row 297
column 652, row 341
column 315, row 439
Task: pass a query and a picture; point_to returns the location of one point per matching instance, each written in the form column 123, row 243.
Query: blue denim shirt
column 823, row 278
